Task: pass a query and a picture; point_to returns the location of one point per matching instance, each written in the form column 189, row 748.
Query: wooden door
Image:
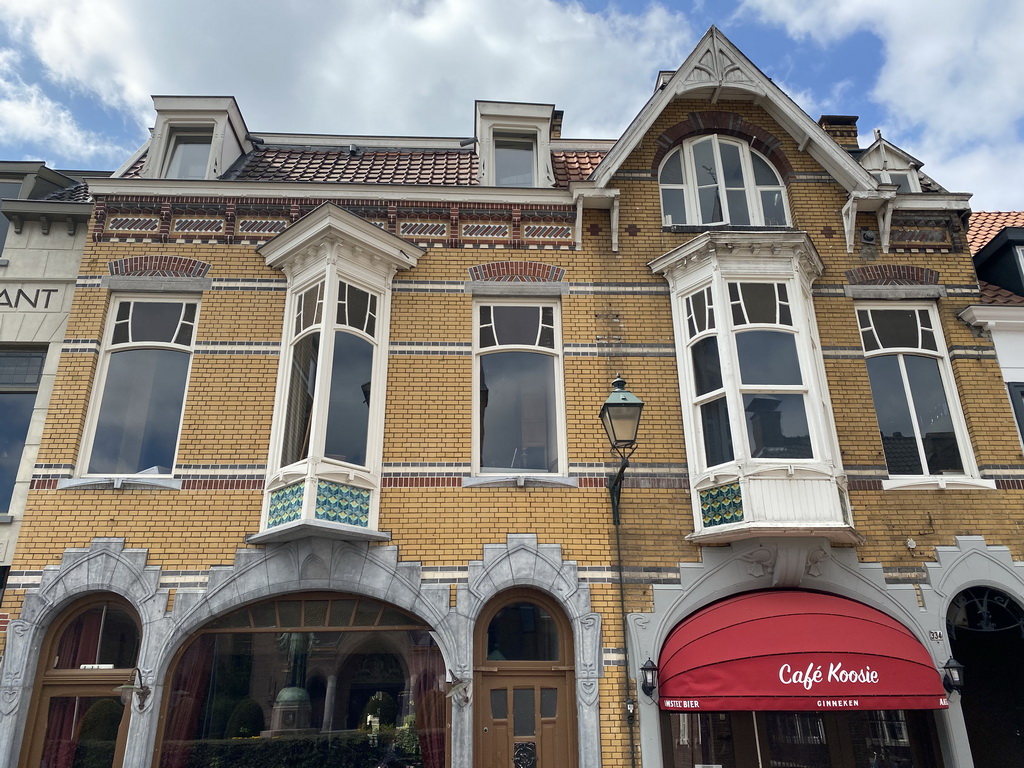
column 524, row 721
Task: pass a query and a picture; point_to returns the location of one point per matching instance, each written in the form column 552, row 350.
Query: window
column 907, row 180
column 1016, row 390
column 514, row 159
column 748, row 381
column 145, row 373
column 189, row 155
column 331, row 374
column 713, row 180
column 20, row 371
column 518, row 370
column 911, row 389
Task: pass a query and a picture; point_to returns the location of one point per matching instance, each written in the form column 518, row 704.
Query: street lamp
column 953, row 679
column 620, row 416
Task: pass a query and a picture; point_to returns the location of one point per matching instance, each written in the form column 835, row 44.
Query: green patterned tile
column 339, row 503
column 721, row 505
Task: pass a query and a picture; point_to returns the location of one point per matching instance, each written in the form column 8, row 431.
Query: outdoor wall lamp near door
column 136, row 686
column 953, row 679
column 649, row 677
column 620, row 416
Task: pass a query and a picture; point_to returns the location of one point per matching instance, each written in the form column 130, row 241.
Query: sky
column 937, row 77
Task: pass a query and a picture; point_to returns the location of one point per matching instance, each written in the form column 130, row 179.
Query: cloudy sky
column 938, row 77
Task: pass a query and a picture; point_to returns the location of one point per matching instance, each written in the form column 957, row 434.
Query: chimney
column 556, row 124
column 842, row 128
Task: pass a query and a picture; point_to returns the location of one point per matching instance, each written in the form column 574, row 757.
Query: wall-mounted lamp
column 953, row 677
column 135, row 685
column 649, row 677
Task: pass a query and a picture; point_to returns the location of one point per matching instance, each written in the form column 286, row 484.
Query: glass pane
column 672, row 170
column 341, row 612
column 517, row 401
column 777, row 427
column 348, row 412
column 16, row 408
column 155, row 320
column 704, row 163
column 105, row 634
column 896, row 327
column 933, row 416
column 289, row 613
column 893, row 412
column 764, row 174
column 707, row 368
column 797, row 738
column 81, row 731
column 710, row 205
column 768, row 358
column 392, row 617
column 714, row 419
column 524, row 716
column 700, row 312
column 522, row 632
column 189, row 157
column 773, row 208
column 314, row 613
column 499, row 704
column 309, row 308
column 516, row 325
column 299, row 407
column 673, row 206
column 264, row 615
column 738, row 212
column 513, row 161
column 759, row 302
column 732, row 169
column 548, row 702
column 140, row 413
column 356, row 308
column 902, row 179
column 367, row 613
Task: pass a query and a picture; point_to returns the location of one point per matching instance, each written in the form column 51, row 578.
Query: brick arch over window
column 517, row 272
column 724, row 124
column 158, row 266
column 892, row 274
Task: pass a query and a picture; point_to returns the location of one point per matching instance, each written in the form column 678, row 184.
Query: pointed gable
column 717, row 71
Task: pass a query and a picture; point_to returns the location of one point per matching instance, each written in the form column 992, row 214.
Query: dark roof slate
column 76, row 193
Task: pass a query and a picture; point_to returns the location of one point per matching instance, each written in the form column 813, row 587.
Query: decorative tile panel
column 547, row 232
column 194, row 225
column 285, row 504
column 493, row 231
column 431, row 229
column 133, row 224
column 339, row 503
column 721, row 505
column 261, row 226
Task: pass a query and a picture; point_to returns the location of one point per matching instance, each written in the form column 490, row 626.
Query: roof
column 76, row 193
column 994, row 295
column 369, row 165
column 987, row 224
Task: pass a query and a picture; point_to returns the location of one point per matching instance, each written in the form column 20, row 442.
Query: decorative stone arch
column 724, row 124
column 161, row 265
column 522, row 562
column 971, row 563
column 892, row 274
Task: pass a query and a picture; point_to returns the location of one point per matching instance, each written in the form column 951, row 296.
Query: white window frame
column 106, row 351
column 186, row 134
column 969, row 476
column 556, row 352
column 689, row 185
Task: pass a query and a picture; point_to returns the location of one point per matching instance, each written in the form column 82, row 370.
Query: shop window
column 330, row 385
column 343, row 679
column 518, row 389
column 144, row 376
column 515, row 159
column 915, row 403
column 76, row 718
column 189, row 155
column 20, row 372
column 714, row 180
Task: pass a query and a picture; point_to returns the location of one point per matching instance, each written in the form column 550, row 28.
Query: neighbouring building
column 322, row 476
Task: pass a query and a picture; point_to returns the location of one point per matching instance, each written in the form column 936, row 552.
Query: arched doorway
column 524, row 702
column 986, row 634
column 76, row 717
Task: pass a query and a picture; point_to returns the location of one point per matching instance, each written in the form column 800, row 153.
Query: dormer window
column 713, row 180
column 907, row 180
column 514, row 159
column 189, row 156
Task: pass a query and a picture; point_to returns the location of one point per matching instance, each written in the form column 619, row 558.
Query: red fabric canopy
column 790, row 650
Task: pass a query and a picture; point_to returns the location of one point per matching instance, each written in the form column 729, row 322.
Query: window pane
column 517, row 400
column 672, row 171
column 499, row 704
column 673, row 206
column 105, row 634
column 707, row 368
column 893, row 412
column 896, row 327
column 773, row 208
column 305, row 354
column 348, row 413
column 738, row 213
column 189, row 157
column 516, row 325
column 732, row 170
column 710, row 205
column 760, row 302
column 548, row 702
column 82, row 731
column 777, row 427
column 140, row 414
column 522, row 632
column 155, row 320
column 933, row 416
column 764, row 174
column 524, row 722
column 902, row 179
column 768, row 358
column 714, row 420
column 704, row 163
column 16, row 408
column 513, row 161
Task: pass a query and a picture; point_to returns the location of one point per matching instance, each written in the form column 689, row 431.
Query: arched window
column 339, row 677
column 77, row 718
column 715, row 180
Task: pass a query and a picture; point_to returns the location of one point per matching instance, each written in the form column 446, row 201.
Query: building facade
column 322, row 475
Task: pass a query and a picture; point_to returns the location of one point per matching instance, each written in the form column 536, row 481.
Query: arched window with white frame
column 716, row 180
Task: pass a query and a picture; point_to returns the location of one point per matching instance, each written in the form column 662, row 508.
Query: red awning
column 791, row 650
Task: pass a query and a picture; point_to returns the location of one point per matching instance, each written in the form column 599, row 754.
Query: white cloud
column 952, row 95
column 29, row 117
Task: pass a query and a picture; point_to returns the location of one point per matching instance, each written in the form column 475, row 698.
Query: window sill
column 688, row 229
column 301, row 529
column 499, row 481
column 120, row 483
column 937, row 483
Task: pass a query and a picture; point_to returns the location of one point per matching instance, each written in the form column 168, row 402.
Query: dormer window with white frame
column 889, row 164
column 513, row 141
column 515, row 159
column 189, row 154
column 713, row 180
column 760, row 438
column 195, row 138
column 324, row 467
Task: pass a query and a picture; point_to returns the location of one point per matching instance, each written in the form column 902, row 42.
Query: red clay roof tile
column 987, row 224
